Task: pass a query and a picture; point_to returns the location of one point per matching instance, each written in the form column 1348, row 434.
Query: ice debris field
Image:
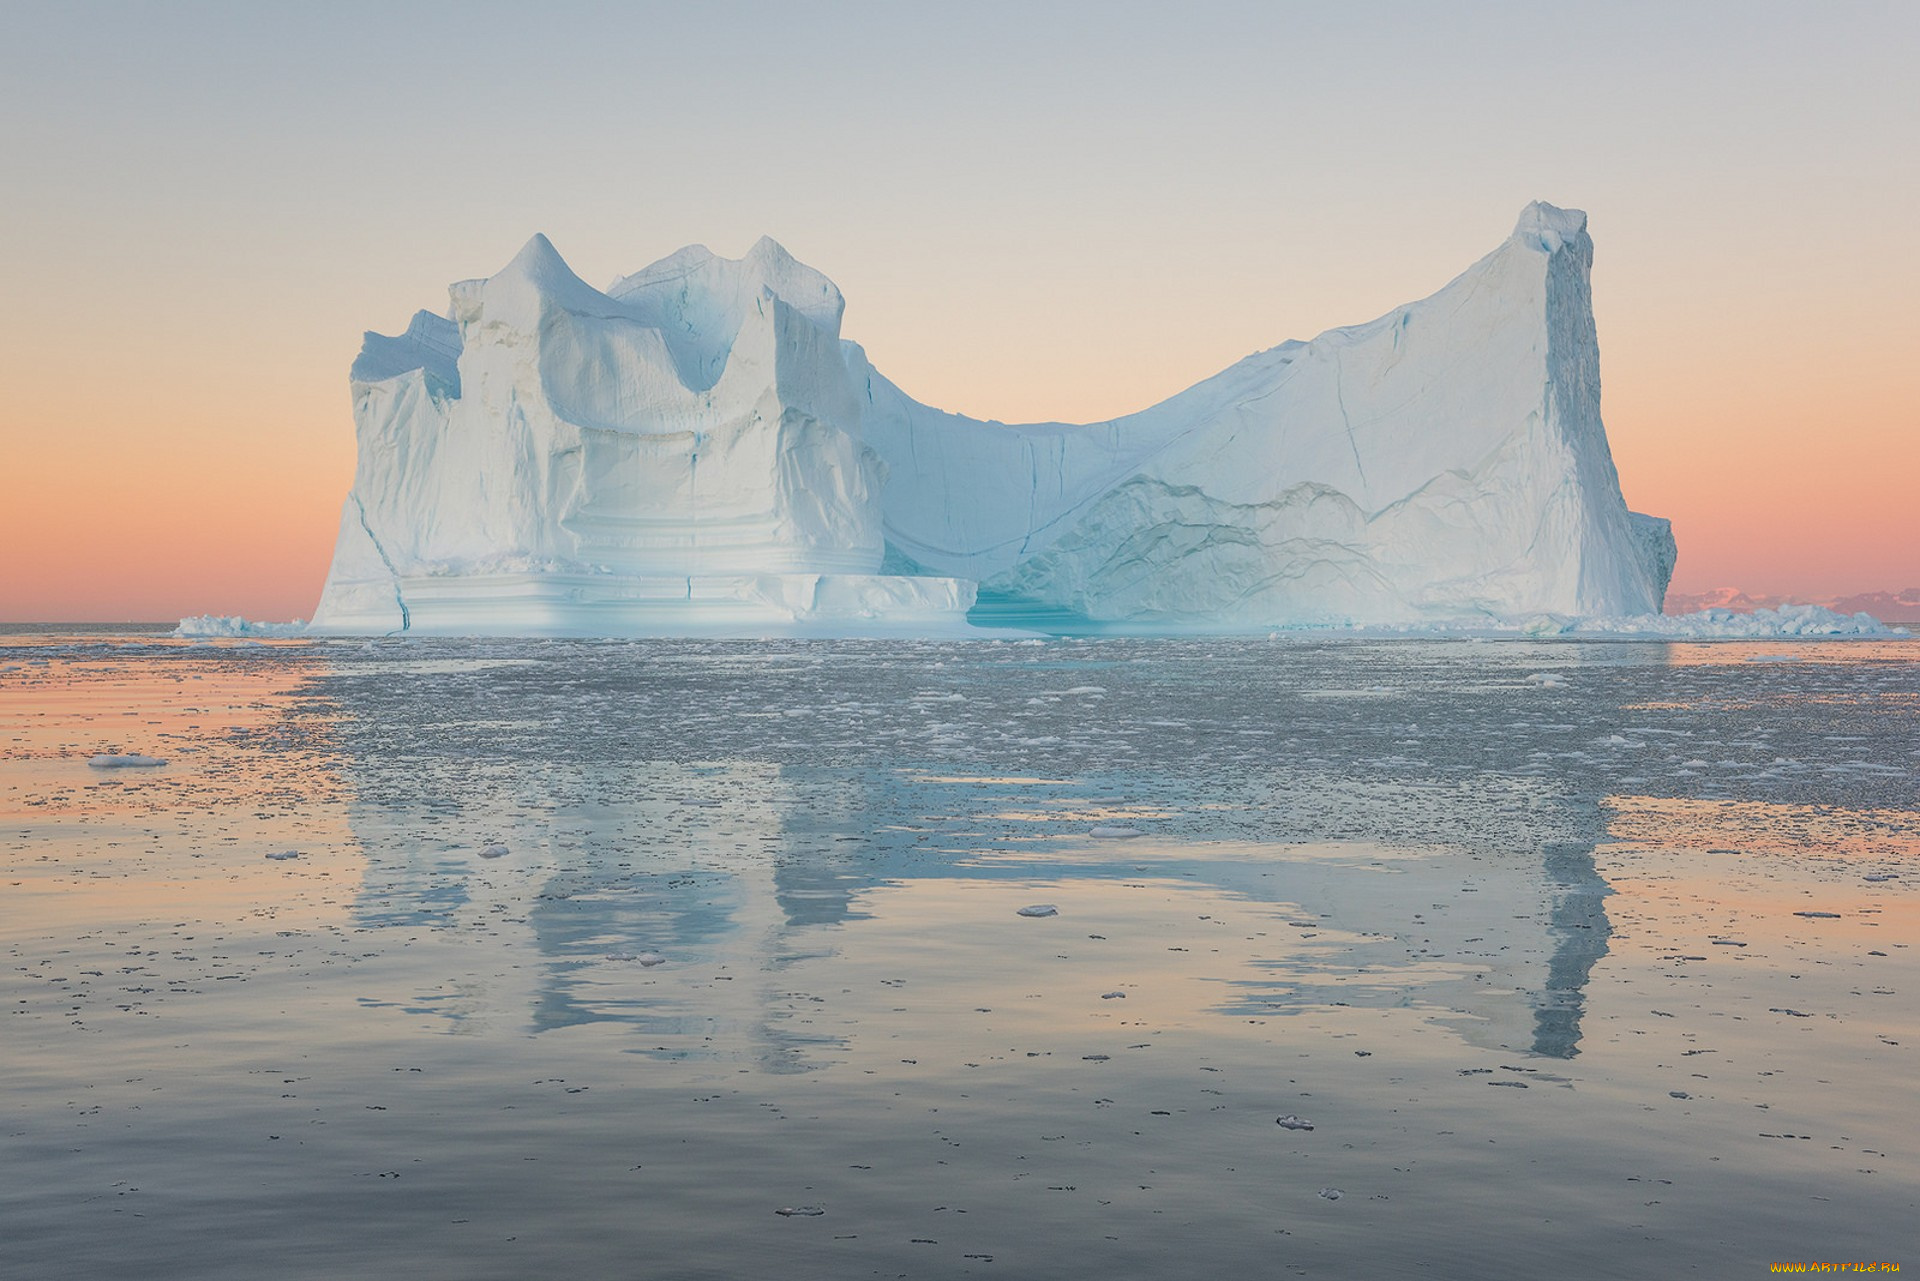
column 696, row 450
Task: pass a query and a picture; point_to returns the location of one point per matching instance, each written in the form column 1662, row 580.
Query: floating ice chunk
column 124, row 760
column 1547, row 680
column 800, row 1211
column 648, row 960
column 1292, row 1122
column 1726, row 624
column 1085, row 689
column 284, row 855
column 232, row 625
column 1114, row 832
column 1039, row 909
column 1332, row 1194
column 494, row 851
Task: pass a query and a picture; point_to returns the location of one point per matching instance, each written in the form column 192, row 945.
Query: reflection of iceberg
column 736, row 871
column 1581, row 929
column 679, row 868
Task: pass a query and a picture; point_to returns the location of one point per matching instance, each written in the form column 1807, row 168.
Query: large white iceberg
column 696, row 450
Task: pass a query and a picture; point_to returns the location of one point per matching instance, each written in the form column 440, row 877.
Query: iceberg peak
column 696, row 290
column 535, row 276
column 537, row 257
column 1548, row 226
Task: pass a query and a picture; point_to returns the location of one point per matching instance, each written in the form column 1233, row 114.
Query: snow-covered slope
column 1444, row 462
column 695, row 450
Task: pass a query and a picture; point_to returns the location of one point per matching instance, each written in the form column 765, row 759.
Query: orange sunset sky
column 1035, row 212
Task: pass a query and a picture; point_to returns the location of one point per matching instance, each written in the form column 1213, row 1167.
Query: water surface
column 1579, row 958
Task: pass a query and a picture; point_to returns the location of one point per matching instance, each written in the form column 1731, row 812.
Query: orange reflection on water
column 1765, row 828
column 1816, row 906
column 1850, row 653
column 248, row 773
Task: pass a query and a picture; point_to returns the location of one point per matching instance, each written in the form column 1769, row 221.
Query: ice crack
column 399, row 597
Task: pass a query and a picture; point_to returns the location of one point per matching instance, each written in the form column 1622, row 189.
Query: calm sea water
column 506, row 959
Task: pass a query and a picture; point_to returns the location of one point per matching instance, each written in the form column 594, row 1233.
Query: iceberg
column 696, row 450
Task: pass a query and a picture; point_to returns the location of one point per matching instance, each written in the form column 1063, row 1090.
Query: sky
column 1035, row 211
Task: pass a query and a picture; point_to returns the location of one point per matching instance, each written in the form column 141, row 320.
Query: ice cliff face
column 695, row 450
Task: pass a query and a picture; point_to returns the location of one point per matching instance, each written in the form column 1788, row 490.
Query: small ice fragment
column 801, row 1211
column 1331, row 1194
column 1546, row 680
column 1292, row 1122
column 1113, row 996
column 648, row 960
column 494, row 851
column 127, row 760
column 1039, row 909
column 1114, row 832
column 1825, row 916
column 285, row 854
